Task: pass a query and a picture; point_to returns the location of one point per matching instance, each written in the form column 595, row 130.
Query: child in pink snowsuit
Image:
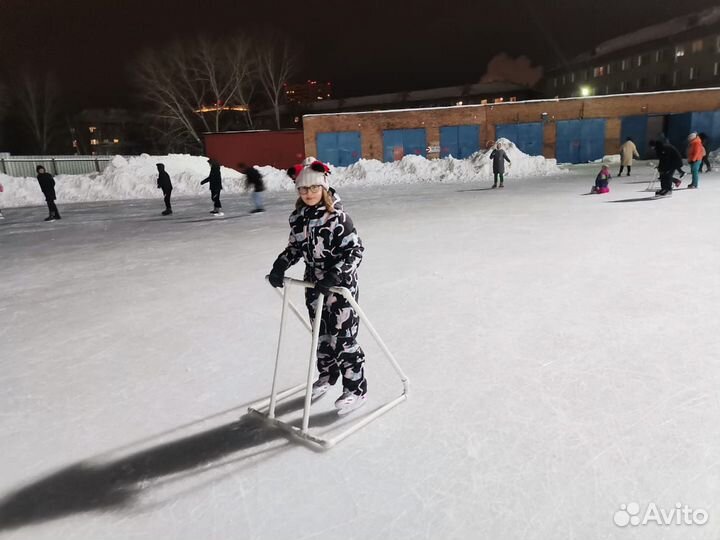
column 602, row 181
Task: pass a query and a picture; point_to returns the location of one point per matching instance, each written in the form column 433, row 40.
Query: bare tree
column 277, row 62
column 38, row 106
column 193, row 85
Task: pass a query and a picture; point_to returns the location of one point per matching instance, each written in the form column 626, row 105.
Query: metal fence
column 26, row 165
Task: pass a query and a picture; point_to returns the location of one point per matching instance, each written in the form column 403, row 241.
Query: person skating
column 215, row 187
column 47, row 185
column 164, row 183
column 602, row 181
column 669, row 160
column 253, row 179
column 627, row 151
column 325, row 237
column 705, row 140
column 499, row 157
column 695, row 154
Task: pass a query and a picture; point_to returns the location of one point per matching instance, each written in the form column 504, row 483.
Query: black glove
column 275, row 277
column 277, row 274
column 331, row 279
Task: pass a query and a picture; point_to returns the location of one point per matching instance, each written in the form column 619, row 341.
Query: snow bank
column 612, row 159
column 714, row 158
column 136, row 177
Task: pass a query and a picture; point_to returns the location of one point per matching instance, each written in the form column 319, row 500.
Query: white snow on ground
column 136, row 178
column 562, row 351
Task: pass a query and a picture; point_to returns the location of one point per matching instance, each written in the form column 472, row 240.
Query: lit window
column 694, row 73
column 458, row 103
column 697, row 46
column 679, row 51
column 483, row 102
column 94, row 141
column 513, row 98
column 607, row 70
column 92, row 129
column 296, row 119
column 116, row 141
column 599, row 71
column 623, row 65
column 499, row 100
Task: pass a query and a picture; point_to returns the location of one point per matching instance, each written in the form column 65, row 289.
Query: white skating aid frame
column 266, row 408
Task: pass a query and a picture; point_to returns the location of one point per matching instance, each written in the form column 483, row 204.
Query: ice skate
column 257, row 210
column 494, row 186
column 692, row 186
column 49, row 218
column 167, row 212
column 320, row 387
column 348, row 402
column 501, row 185
column 1, row 216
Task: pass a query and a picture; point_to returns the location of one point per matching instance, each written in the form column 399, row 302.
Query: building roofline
column 510, row 103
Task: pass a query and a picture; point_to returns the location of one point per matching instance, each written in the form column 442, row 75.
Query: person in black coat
column 164, row 183
column 498, row 157
column 215, row 186
column 705, row 140
column 669, row 160
column 47, row 185
column 253, row 179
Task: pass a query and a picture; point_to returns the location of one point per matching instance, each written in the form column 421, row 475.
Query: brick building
column 572, row 130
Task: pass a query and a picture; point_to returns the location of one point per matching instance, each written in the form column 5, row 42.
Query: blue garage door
column 580, row 141
column 341, row 148
column 679, row 126
column 678, row 129
column 528, row 137
column 401, row 142
column 635, row 127
column 459, row 141
column 708, row 123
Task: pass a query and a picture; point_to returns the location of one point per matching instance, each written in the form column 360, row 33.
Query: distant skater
column 627, row 151
column 499, row 157
column 253, row 179
column 215, row 187
column 47, row 185
column 165, row 184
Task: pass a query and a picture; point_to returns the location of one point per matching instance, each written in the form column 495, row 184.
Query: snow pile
column 611, row 159
column 136, row 177
column 416, row 169
column 714, row 158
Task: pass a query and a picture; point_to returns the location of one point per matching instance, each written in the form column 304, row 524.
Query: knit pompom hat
column 313, row 175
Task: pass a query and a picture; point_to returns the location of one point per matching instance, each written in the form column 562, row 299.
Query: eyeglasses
column 310, row 189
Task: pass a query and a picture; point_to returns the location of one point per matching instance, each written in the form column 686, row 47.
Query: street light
column 584, row 91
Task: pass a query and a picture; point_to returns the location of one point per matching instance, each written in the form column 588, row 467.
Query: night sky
column 361, row 46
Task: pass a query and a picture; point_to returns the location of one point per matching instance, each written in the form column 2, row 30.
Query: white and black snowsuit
column 329, row 243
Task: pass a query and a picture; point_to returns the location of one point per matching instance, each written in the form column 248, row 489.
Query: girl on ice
column 602, row 181
column 325, row 237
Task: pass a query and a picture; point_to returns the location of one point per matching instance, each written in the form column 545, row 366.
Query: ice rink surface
column 563, row 352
